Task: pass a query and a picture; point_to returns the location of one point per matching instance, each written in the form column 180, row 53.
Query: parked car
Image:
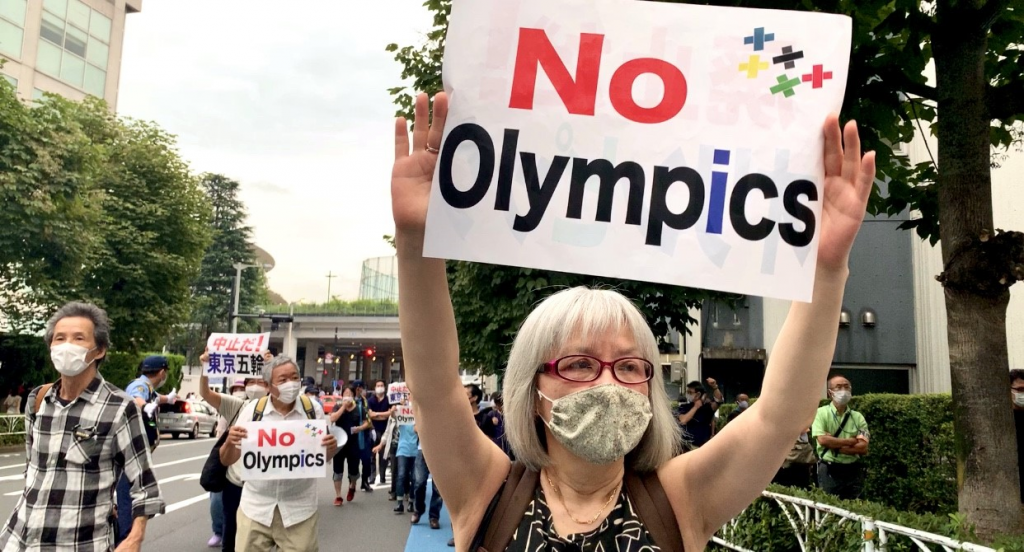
column 329, row 401
column 192, row 418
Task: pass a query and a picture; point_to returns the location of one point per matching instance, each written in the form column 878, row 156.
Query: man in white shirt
column 280, row 512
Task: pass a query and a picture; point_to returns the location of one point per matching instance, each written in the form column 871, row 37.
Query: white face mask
column 289, row 391
column 380, row 390
column 1018, row 399
column 842, row 397
column 255, row 391
column 69, row 359
column 240, row 394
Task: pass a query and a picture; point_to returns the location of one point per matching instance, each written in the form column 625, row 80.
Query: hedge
column 911, row 465
column 764, row 527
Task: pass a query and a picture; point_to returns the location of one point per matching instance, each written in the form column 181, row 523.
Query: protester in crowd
column 742, row 403
column 798, row 468
column 841, row 437
column 68, row 500
column 582, row 423
column 366, row 438
column 12, row 404
column 389, row 448
column 476, row 395
column 153, row 375
column 380, row 412
column 281, row 513
column 313, row 392
column 494, row 425
column 356, row 424
column 405, row 476
column 696, row 415
column 1017, row 398
column 224, row 505
column 422, row 473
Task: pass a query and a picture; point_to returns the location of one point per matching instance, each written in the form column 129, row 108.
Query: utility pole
column 330, row 276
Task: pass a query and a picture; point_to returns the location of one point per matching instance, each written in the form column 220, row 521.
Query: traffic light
column 370, row 351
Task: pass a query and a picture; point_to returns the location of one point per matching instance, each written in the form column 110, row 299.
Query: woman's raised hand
column 848, row 181
column 413, row 171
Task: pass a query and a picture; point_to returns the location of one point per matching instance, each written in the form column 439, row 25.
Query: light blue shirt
column 408, row 442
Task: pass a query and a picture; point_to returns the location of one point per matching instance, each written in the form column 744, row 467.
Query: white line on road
column 182, row 443
column 182, row 477
column 165, row 464
column 186, row 503
column 22, row 465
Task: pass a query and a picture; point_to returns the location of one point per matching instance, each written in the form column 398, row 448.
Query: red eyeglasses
column 582, row 368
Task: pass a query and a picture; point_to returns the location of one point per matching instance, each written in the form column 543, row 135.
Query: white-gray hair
column 279, row 360
column 586, row 313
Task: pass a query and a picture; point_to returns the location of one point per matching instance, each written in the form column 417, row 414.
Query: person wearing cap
column 224, row 505
column 153, row 373
column 366, row 441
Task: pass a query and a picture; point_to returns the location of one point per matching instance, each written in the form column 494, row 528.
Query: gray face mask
column 600, row 424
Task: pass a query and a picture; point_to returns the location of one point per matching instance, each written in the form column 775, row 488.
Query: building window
column 74, row 45
column 12, row 27
column 10, row 79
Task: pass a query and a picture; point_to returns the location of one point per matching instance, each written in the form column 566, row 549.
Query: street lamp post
column 239, row 267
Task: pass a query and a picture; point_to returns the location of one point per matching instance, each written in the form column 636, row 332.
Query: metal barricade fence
column 12, row 424
column 804, row 515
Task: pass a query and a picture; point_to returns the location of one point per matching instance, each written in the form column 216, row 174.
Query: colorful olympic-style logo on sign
column 787, row 58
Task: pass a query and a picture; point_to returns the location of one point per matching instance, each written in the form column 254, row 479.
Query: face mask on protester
column 346, row 400
column 289, row 391
column 240, row 394
column 841, row 397
column 380, row 390
column 255, row 391
column 742, row 405
column 600, row 424
column 691, row 397
column 69, row 359
column 1018, row 398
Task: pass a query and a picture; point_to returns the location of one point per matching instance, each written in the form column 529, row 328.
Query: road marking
column 182, row 461
column 12, row 466
column 182, row 477
column 15, row 493
column 12, row 477
column 181, row 443
column 186, row 503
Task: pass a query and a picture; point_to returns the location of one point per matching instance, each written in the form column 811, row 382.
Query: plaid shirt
column 76, row 454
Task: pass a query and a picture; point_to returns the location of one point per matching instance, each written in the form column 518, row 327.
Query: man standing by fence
column 841, row 439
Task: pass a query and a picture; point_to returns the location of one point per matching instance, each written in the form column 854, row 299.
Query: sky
column 290, row 99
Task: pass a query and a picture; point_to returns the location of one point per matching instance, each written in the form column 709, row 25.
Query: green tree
column 213, row 289
column 49, row 205
column 152, row 229
column 975, row 104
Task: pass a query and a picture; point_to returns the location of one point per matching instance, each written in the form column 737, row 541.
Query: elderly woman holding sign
column 587, row 416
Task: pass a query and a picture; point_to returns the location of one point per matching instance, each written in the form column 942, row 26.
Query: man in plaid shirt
column 82, row 436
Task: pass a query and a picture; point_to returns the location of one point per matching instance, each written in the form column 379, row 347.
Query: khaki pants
column 255, row 537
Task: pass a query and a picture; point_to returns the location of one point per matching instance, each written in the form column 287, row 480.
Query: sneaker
column 451, row 541
column 415, row 518
column 435, row 524
column 351, row 494
column 215, row 541
column 392, row 497
column 366, row 487
column 338, row 501
column 400, row 509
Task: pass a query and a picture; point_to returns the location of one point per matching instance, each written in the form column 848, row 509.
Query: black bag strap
column 655, row 511
column 506, row 510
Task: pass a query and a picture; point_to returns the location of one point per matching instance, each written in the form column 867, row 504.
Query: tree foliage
column 96, row 208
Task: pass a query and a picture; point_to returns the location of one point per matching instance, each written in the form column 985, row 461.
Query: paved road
column 365, row 524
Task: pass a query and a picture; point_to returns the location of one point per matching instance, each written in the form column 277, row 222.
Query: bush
column 764, row 527
column 911, row 463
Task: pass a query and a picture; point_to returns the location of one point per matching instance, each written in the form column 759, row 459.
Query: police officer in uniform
column 153, row 373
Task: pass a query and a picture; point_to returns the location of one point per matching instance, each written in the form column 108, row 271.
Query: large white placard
column 284, row 450
column 651, row 141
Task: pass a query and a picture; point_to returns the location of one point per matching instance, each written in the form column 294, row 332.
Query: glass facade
column 379, row 281
column 12, row 27
column 74, row 45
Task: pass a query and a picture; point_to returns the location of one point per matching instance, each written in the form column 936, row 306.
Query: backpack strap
column 307, row 405
column 506, row 510
column 261, row 405
column 40, row 395
column 655, row 511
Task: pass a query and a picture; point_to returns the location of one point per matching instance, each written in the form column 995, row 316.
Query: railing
column 804, row 516
column 13, row 424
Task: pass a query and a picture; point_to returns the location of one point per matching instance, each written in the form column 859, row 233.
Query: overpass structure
column 341, row 346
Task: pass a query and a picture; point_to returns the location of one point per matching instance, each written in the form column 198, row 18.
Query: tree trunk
column 976, row 296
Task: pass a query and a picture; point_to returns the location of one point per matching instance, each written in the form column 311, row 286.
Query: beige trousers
column 253, row 536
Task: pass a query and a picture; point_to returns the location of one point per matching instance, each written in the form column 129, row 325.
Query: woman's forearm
column 795, row 378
